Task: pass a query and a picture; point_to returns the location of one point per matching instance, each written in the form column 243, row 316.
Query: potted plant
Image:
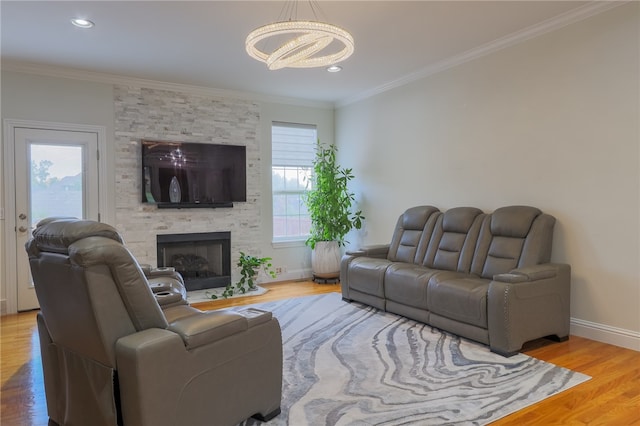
column 329, row 203
column 250, row 267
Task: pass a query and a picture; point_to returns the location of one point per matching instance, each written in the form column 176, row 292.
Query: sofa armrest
column 530, row 273
column 528, row 303
column 379, row 251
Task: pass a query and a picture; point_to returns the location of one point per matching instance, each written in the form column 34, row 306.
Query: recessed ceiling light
column 334, row 68
column 82, row 23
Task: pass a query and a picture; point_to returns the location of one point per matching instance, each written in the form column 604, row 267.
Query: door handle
column 22, row 229
column 22, row 216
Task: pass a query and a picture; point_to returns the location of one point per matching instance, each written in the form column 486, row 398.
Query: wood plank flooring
column 611, row 397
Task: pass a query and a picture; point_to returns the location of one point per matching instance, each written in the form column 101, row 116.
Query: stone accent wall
column 171, row 116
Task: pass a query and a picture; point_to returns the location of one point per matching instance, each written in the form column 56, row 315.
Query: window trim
column 288, row 243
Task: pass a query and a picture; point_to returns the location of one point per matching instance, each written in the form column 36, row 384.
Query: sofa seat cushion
column 459, row 296
column 407, row 284
column 366, row 275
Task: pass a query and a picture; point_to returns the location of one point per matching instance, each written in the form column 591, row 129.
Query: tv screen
column 180, row 173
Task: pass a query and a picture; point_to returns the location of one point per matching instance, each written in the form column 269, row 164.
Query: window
column 293, row 151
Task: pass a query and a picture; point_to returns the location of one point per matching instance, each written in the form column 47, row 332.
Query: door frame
column 10, row 238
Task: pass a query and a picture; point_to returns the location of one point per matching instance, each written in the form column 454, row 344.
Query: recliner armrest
column 169, row 297
column 167, row 286
column 255, row 316
column 163, row 272
column 206, row 327
column 162, row 383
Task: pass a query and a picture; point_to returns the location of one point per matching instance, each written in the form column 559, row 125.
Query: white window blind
column 293, row 150
column 293, row 144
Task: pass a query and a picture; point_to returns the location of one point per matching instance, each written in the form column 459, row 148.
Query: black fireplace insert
column 203, row 259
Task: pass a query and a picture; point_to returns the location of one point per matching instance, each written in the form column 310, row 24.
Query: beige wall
column 52, row 99
column 58, row 100
column 553, row 123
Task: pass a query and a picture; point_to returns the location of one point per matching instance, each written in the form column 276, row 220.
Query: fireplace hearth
column 203, row 259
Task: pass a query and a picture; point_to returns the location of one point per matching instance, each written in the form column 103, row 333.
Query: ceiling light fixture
column 82, row 23
column 304, row 45
column 334, row 68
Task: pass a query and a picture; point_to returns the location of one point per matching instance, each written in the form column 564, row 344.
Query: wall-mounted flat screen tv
column 181, row 174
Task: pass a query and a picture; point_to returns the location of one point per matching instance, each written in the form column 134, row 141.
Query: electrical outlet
column 278, row 270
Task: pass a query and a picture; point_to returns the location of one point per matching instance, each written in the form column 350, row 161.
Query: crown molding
column 106, row 78
column 590, row 9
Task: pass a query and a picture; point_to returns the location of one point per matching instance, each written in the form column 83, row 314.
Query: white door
column 56, row 175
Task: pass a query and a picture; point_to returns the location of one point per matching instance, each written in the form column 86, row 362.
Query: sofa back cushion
column 412, row 233
column 454, row 239
column 513, row 237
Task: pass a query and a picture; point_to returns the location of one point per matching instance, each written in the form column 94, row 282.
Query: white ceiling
column 201, row 43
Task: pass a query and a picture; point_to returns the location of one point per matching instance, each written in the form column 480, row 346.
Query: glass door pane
column 56, row 174
column 57, row 181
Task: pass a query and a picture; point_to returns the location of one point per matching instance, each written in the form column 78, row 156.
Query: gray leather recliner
column 112, row 353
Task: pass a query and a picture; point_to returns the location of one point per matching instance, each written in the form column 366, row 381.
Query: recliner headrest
column 57, row 234
column 513, row 221
column 416, row 217
column 459, row 219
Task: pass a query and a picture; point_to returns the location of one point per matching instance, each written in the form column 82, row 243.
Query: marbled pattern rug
column 350, row 364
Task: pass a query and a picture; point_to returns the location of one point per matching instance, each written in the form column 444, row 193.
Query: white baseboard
column 603, row 333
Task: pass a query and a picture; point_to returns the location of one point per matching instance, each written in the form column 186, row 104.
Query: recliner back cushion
column 90, row 288
column 411, row 235
column 454, row 239
column 138, row 298
column 514, row 221
column 503, row 255
column 65, row 300
column 513, row 237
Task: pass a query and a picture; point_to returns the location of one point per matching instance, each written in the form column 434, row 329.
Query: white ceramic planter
column 325, row 260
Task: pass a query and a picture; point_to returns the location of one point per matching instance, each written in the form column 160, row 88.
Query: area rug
column 350, row 364
column 197, row 296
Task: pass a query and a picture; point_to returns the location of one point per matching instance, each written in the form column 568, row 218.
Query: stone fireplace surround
column 142, row 113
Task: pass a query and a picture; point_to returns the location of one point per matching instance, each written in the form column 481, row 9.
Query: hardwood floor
column 611, row 397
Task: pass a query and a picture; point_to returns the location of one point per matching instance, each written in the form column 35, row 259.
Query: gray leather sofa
column 112, row 353
column 486, row 277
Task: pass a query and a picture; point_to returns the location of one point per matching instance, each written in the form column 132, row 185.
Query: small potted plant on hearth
column 250, row 267
column 329, row 204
